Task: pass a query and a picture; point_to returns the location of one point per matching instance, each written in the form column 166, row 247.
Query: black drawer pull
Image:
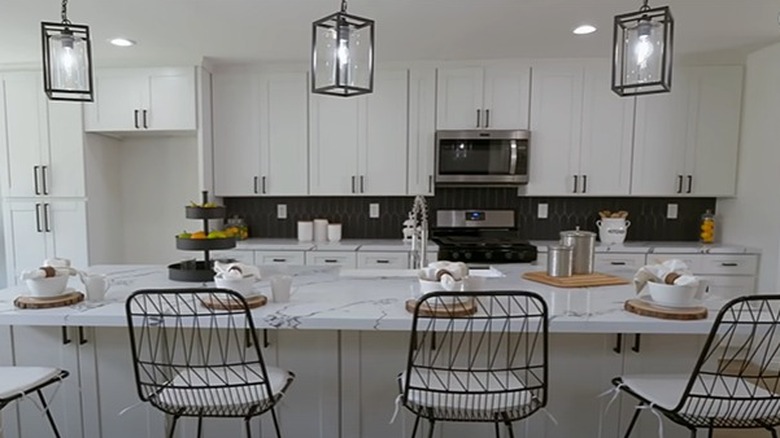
column 617, row 263
column 618, row 343
column 279, row 260
column 382, row 262
column 331, row 261
column 729, row 264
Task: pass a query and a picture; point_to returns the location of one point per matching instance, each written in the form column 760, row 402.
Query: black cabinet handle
column 135, row 119
column 690, row 184
column 146, row 126
column 362, row 184
column 248, row 338
column 46, row 222
column 35, row 179
column 382, row 262
column 331, row 261
column 65, row 338
column 617, row 263
column 38, row 218
column 635, row 347
column 487, row 118
column 584, row 183
column 679, row 183
column 729, row 264
column 264, row 191
column 279, row 260
column 430, row 183
column 618, row 344
column 266, row 344
column 353, row 183
column 254, row 184
column 575, row 184
column 82, row 338
column 478, row 117
column 43, row 180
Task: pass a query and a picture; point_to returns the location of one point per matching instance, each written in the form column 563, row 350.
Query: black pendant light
column 642, row 57
column 67, row 60
column 342, row 54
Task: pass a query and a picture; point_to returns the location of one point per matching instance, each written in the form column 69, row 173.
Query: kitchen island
column 345, row 335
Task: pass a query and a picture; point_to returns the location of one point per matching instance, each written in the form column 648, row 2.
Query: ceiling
column 177, row 32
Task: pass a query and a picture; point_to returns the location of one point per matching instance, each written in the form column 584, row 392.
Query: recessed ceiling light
column 121, row 42
column 584, row 29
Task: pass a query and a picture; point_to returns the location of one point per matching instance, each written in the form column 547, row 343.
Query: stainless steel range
column 480, row 236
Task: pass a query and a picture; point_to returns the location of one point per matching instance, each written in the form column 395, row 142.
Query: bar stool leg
column 200, row 427
column 276, row 423
column 173, row 426
column 416, row 423
column 633, row 422
column 48, row 414
column 496, row 427
column 430, row 431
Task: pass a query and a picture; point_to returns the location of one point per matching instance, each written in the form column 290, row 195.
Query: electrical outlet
column 281, row 211
column 373, row 211
column 671, row 211
column 541, row 211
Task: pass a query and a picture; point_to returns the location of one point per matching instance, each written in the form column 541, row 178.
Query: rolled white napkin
column 658, row 272
column 57, row 263
column 40, row 273
column 457, row 270
column 236, row 270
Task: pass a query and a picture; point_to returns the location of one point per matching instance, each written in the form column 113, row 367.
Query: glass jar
column 707, row 227
column 238, row 227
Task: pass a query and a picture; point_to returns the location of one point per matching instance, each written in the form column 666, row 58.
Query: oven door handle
column 513, row 158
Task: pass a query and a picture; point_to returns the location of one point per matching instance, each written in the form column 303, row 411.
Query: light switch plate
column 281, row 211
column 373, row 211
column 541, row 211
column 671, row 211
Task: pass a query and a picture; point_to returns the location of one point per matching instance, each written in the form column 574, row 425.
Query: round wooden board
column 644, row 308
column 448, row 311
column 68, row 299
column 252, row 302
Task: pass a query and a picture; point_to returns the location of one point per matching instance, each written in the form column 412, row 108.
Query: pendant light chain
column 644, row 6
column 343, row 6
column 65, row 12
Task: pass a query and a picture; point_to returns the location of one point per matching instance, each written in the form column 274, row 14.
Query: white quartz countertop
column 383, row 245
column 659, row 247
column 324, row 299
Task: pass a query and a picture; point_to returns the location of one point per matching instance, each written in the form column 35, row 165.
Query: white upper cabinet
column 158, row 99
column 483, row 97
column 284, row 134
column 686, row 141
column 260, row 133
column 42, row 141
column 359, row 145
column 422, row 130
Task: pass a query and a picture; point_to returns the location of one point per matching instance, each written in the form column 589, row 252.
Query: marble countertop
column 388, row 245
column 659, row 247
column 322, row 298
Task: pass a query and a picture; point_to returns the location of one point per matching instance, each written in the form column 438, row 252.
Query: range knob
column 455, row 255
column 467, row 255
column 508, row 255
column 489, row 255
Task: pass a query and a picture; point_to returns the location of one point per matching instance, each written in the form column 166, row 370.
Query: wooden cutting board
column 645, row 308
column 252, row 302
column 459, row 309
column 68, row 299
column 582, row 280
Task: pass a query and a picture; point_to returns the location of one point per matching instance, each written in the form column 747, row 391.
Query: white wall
column 158, row 178
column 104, row 200
column 753, row 217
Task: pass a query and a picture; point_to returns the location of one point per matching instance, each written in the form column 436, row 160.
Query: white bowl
column 241, row 285
column 674, row 295
column 47, row 286
column 427, row 286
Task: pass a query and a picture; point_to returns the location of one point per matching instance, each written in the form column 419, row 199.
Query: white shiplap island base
column 346, row 338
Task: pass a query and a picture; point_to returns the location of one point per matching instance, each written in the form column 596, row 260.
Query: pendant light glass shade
column 342, row 55
column 642, row 57
column 67, row 60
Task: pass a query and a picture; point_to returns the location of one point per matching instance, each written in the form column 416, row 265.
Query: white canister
column 334, row 232
column 613, row 230
column 320, row 230
column 305, row 231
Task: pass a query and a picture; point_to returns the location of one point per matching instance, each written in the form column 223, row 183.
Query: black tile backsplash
column 647, row 215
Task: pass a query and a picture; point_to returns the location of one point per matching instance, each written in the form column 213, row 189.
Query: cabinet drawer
column 279, row 258
column 246, row 257
column 347, row 259
column 619, row 262
column 730, row 286
column 718, row 264
column 383, row 260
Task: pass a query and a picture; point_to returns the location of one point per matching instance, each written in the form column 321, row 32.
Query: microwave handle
column 513, row 158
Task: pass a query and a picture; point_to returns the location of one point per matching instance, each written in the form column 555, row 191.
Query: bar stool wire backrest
column 193, row 358
column 487, row 367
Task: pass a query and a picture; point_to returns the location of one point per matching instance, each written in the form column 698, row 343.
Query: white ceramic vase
column 613, row 230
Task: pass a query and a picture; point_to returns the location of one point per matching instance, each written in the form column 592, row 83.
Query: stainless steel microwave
column 487, row 157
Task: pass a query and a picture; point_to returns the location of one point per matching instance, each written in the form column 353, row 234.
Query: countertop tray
column 583, row 280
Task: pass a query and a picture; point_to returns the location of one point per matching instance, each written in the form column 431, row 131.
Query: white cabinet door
column 712, row 159
column 50, row 347
column 119, row 98
column 25, row 134
column 171, row 100
column 383, row 153
column 280, row 258
column 284, row 140
column 236, row 134
column 345, row 259
column 25, row 239
column 382, row 260
column 64, row 173
column 422, row 130
column 506, row 97
column 334, row 145
column 66, row 225
column 556, row 121
column 459, row 98
column 607, row 131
